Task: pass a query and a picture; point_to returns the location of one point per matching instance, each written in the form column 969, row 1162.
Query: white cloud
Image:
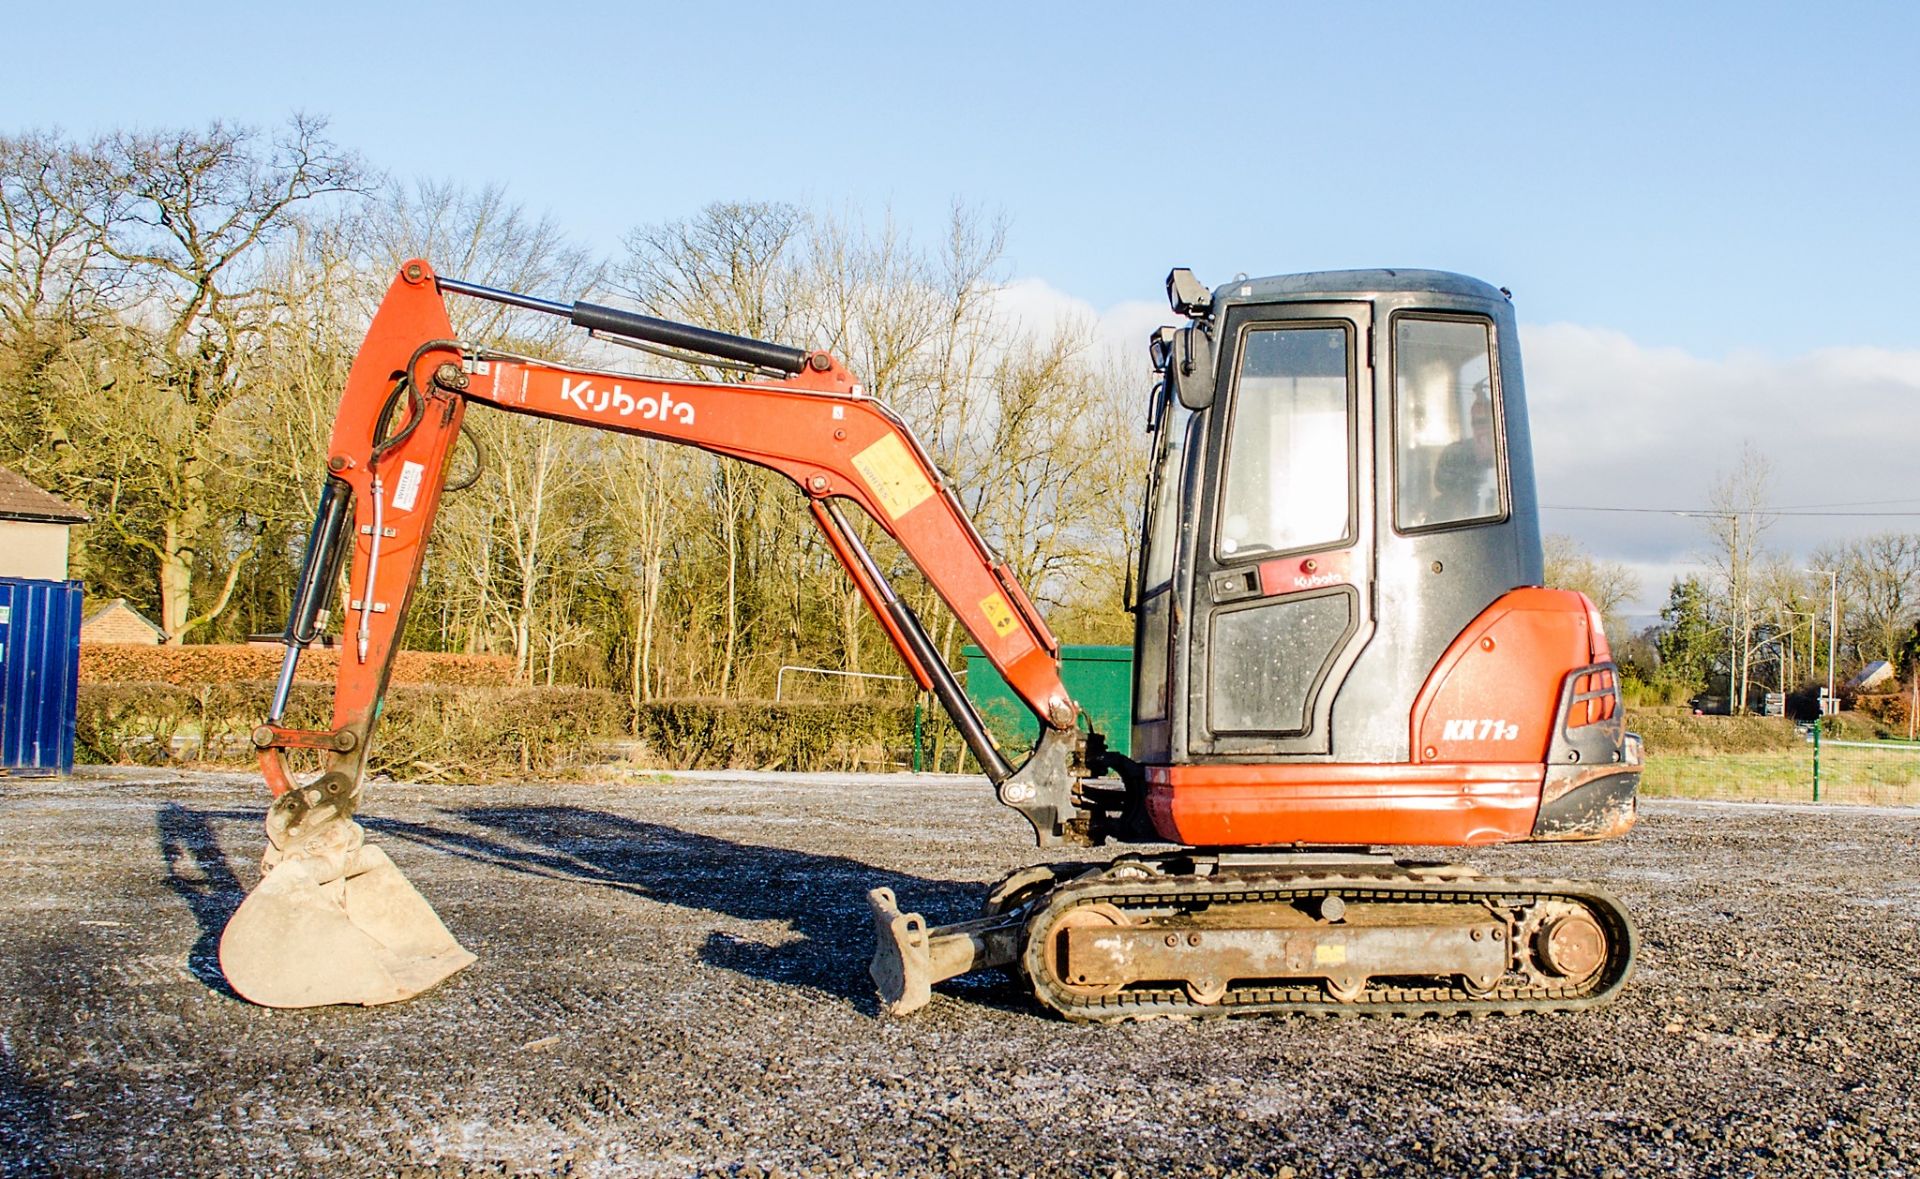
column 1037, row 307
column 1618, row 424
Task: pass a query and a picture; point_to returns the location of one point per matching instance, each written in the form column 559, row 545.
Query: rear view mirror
column 1190, row 369
column 1160, row 353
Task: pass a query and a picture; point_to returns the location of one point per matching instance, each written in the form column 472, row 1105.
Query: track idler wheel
column 1571, row 946
column 1098, row 916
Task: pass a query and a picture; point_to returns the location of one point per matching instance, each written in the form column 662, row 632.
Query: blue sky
column 1713, row 190
column 1711, row 176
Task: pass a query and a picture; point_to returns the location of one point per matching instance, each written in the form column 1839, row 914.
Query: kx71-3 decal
column 1481, row 729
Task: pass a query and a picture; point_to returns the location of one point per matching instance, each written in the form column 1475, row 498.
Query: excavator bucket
column 364, row 936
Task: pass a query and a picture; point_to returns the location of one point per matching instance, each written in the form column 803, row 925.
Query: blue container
column 39, row 674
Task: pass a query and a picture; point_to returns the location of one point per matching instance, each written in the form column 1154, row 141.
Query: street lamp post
column 1813, row 636
column 1785, row 636
column 1833, row 627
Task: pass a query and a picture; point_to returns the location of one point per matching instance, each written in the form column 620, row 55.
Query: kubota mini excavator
column 1341, row 645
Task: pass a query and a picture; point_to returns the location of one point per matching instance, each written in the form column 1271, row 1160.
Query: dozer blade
column 365, row 937
column 908, row 958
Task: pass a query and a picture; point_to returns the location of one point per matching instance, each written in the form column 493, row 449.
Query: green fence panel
column 1100, row 678
column 1816, row 767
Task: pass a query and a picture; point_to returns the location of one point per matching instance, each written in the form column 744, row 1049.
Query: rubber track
column 1376, row 1000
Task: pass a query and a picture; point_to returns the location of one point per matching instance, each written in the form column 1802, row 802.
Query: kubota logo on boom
column 584, row 395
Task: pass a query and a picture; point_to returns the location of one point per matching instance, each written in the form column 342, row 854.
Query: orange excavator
column 1342, row 646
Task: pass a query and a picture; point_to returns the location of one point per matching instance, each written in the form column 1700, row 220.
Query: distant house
column 33, row 530
column 1872, row 675
column 117, row 622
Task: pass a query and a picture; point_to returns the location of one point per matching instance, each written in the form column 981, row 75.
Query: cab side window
column 1448, row 445
column 1164, row 528
column 1155, row 612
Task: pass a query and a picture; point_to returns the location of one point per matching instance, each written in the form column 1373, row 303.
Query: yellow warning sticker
column 1330, row 954
column 893, row 475
column 999, row 614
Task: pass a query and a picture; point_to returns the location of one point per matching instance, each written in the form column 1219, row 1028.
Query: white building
column 33, row 530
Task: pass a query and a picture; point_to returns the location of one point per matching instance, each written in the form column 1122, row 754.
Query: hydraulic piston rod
column 946, row 688
column 633, row 325
column 319, row 573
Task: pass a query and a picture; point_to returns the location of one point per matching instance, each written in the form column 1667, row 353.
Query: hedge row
column 760, row 735
column 1872, row 718
column 1699, row 735
column 236, row 663
column 425, row 732
column 1891, row 711
column 470, row 732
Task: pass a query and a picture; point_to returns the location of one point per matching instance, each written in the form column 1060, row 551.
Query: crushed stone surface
column 672, row 981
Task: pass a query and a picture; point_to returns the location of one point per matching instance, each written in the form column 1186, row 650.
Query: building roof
column 105, row 608
column 1872, row 675
column 21, row 500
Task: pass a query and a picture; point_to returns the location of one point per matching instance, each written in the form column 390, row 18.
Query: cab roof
column 1321, row 283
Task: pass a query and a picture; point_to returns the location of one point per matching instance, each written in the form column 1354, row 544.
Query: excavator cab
column 1342, row 646
column 1334, row 501
column 1365, row 452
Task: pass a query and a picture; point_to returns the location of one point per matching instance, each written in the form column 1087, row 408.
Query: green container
column 1099, row 678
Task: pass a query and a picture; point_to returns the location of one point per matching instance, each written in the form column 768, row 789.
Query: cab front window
column 1289, row 458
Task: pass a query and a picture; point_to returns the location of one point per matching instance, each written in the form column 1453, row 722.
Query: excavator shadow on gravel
column 1342, row 646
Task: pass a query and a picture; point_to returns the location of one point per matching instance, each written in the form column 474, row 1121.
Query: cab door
column 1167, row 519
column 1282, row 549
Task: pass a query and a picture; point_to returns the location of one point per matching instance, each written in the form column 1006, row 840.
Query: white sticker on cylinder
column 408, row 488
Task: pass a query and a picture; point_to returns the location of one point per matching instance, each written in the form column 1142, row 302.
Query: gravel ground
column 672, row 982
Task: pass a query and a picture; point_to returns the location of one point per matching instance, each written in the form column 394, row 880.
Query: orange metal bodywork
column 1479, row 733
column 817, row 428
column 1341, row 803
column 1505, row 669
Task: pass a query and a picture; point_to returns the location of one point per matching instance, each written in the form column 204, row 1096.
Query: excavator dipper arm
column 802, row 415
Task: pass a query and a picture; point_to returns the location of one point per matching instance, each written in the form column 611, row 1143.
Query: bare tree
column 178, row 313
column 731, row 267
column 1879, row 588
column 640, row 485
column 481, row 235
column 1739, row 519
column 169, row 231
column 516, row 539
column 1609, row 584
column 48, row 248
